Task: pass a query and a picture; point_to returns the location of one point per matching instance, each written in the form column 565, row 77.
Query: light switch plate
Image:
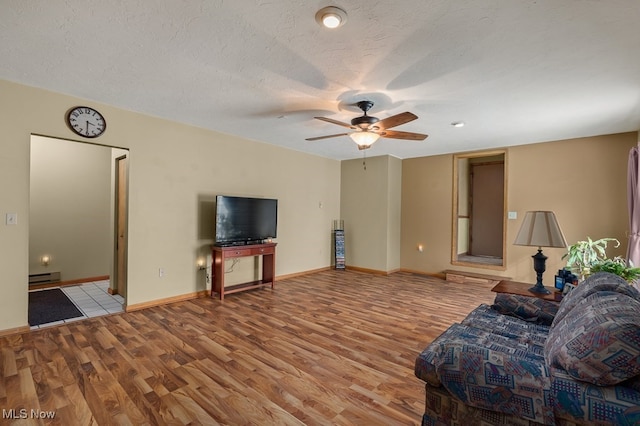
column 513, row 215
column 12, row 219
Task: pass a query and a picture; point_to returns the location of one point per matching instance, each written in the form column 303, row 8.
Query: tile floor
column 92, row 299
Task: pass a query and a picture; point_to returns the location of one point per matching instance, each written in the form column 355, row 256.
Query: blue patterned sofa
column 526, row 361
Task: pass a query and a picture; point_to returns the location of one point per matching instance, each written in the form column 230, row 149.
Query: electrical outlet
column 161, row 272
column 11, row 219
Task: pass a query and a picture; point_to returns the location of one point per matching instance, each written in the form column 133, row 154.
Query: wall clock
column 86, row 122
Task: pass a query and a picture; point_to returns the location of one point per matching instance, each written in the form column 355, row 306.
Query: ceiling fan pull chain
column 364, row 160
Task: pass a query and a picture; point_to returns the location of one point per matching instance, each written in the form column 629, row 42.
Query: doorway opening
column 78, row 194
column 479, row 213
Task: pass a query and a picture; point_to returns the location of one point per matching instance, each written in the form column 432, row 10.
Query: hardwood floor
column 335, row 347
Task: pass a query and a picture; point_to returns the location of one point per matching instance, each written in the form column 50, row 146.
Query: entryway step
column 463, row 277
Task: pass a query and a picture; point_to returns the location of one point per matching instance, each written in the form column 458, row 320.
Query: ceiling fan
column 367, row 129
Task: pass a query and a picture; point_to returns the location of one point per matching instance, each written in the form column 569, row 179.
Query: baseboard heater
column 48, row 277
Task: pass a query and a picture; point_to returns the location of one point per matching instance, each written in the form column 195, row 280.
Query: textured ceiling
column 515, row 71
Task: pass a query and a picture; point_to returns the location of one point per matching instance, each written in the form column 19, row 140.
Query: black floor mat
column 50, row 305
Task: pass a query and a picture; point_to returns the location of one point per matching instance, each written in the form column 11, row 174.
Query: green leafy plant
column 582, row 255
column 617, row 266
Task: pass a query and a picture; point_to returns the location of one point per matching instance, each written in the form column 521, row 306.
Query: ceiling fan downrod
column 365, row 120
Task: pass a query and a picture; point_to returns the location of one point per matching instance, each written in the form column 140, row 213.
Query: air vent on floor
column 48, row 277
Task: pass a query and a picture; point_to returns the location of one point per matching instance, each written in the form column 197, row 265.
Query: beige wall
column 174, row 170
column 582, row 180
column 70, row 208
column 427, row 208
column 394, row 197
column 370, row 206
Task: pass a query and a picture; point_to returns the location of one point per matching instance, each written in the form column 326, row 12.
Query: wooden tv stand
column 220, row 254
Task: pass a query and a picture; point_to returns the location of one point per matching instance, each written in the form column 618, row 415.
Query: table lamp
column 540, row 229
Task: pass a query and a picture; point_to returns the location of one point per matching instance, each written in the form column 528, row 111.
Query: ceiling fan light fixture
column 364, row 139
column 331, row 17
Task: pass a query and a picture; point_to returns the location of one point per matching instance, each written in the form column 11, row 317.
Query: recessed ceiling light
column 458, row 124
column 331, row 17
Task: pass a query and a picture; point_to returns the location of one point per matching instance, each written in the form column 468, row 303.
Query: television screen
column 241, row 220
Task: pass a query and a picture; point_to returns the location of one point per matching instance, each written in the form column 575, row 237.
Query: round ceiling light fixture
column 331, row 17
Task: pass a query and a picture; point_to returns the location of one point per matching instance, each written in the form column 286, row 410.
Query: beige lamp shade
column 540, row 229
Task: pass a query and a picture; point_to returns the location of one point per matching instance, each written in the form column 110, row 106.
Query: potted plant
column 583, row 254
column 618, row 266
column 586, row 257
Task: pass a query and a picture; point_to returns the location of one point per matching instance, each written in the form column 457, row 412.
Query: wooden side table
column 522, row 289
column 220, row 254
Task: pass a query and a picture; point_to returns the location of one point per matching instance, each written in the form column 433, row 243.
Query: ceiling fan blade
column 317, row 138
column 339, row 123
column 394, row 134
column 396, row 120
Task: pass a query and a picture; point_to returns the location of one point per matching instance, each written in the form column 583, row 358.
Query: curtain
column 633, row 201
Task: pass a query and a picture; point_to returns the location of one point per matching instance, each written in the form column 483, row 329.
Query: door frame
column 120, row 243
column 463, row 189
column 127, row 154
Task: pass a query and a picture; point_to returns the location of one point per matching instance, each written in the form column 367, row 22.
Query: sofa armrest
column 584, row 403
column 497, row 378
column 531, row 309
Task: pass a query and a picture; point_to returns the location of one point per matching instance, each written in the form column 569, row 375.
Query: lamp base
column 539, row 289
column 539, row 260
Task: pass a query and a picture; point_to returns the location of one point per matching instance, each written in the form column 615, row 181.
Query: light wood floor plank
column 334, row 347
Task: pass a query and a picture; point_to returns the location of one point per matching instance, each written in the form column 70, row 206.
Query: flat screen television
column 244, row 220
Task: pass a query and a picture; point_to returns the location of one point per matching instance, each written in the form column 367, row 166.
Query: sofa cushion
column 530, row 309
column 601, row 281
column 489, row 377
column 599, row 340
column 488, row 319
column 580, row 403
column 427, row 361
column 487, row 327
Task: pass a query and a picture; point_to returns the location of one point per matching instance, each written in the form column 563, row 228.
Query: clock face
column 86, row 122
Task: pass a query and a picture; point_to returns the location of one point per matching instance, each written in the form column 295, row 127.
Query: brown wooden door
column 121, row 227
column 487, row 209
